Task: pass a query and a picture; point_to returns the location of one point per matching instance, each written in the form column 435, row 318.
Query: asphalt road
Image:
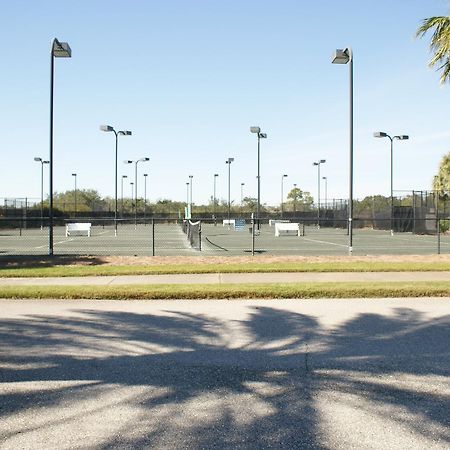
column 290, row 374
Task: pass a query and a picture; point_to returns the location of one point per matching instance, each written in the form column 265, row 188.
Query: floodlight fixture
column 127, row 161
column 38, row 159
column 255, row 130
column 61, row 49
column 106, row 128
column 379, row 134
column 402, row 137
column 341, row 56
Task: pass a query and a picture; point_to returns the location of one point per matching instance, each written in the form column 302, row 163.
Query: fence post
column 253, row 234
column 438, row 223
column 200, row 236
column 153, row 237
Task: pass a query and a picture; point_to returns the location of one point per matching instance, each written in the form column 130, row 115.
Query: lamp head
column 216, row 174
column 145, row 174
column 402, row 137
column 341, row 56
column 45, row 162
column 315, row 164
column 322, row 161
column 127, row 161
column 379, row 134
column 125, row 133
column 255, row 130
column 74, row 174
column 263, row 135
column 61, row 49
column 285, row 175
column 124, row 176
column 106, row 128
column 38, row 159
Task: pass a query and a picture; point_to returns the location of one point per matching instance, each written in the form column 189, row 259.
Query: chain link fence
column 405, row 233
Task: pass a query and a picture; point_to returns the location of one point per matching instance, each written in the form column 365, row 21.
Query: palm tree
column 441, row 181
column 440, row 43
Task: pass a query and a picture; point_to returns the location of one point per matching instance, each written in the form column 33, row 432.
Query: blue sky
column 190, row 77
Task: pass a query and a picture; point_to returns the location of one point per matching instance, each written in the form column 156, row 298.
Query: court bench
column 287, row 229
column 78, row 229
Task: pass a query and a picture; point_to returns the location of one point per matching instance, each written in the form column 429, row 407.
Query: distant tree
column 249, row 203
column 440, row 43
column 300, row 198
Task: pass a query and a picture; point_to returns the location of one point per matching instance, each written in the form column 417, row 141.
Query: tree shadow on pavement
column 185, row 380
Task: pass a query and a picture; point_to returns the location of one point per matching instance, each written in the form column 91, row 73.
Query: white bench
column 231, row 222
column 287, row 229
column 272, row 222
column 78, row 229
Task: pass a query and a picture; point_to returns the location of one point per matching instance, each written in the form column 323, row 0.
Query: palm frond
column 439, row 44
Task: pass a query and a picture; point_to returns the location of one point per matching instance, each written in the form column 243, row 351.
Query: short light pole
column 242, row 193
column 257, row 131
column 75, row 192
column 295, row 199
column 187, row 194
column 229, row 161
column 136, row 184
column 326, row 192
column 132, row 191
column 345, row 56
column 42, row 188
column 402, row 137
column 318, row 163
column 121, row 193
column 145, row 195
column 214, row 195
column 58, row 50
column 109, row 128
column 282, row 193
column 191, row 177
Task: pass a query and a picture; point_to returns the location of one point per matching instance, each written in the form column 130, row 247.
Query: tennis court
column 165, row 238
column 323, row 241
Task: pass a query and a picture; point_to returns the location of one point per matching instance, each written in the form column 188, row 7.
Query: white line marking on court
column 325, row 242
column 54, row 243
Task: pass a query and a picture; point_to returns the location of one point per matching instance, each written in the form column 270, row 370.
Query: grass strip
column 231, row 291
column 112, row 270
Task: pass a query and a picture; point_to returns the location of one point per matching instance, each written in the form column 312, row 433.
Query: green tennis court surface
column 168, row 239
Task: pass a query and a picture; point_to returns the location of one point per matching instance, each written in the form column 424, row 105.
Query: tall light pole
column 214, row 196
column 132, row 191
column 326, row 192
column 58, row 50
column 42, row 188
column 127, row 161
column 257, row 131
column 402, row 137
column 282, row 193
column 242, row 193
column 109, row 128
column 318, row 163
column 229, row 161
column 121, row 193
column 145, row 195
column 345, row 56
column 75, row 192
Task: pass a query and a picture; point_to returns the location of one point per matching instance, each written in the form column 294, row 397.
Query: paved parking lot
column 254, row 374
